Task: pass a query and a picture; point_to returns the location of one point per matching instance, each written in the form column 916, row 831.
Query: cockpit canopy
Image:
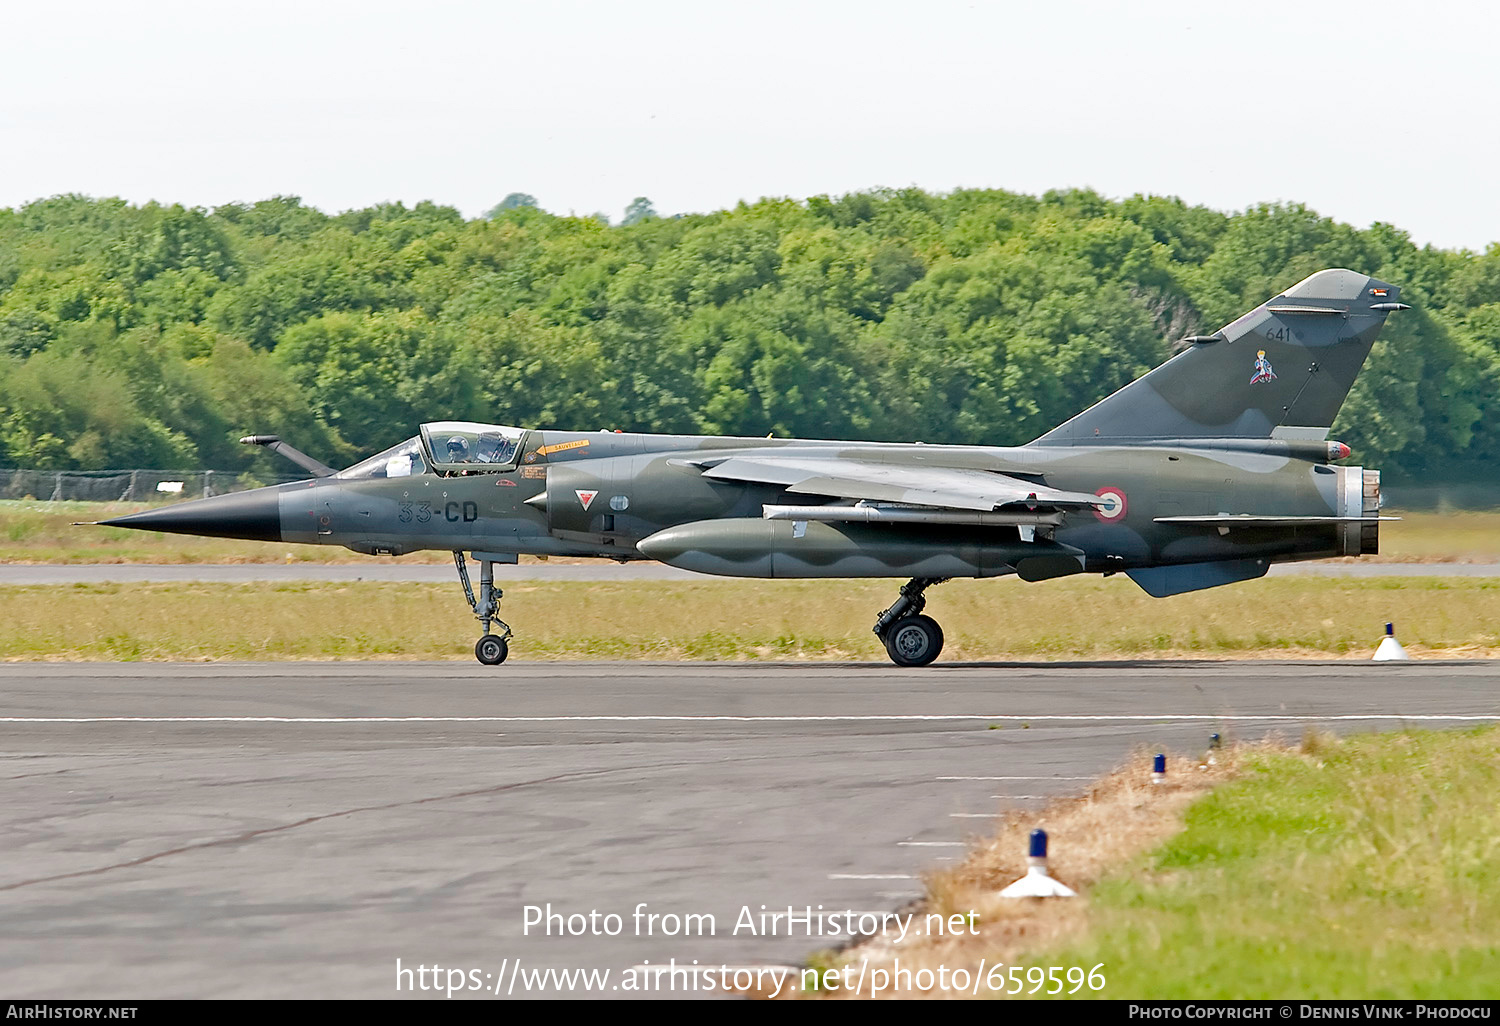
column 402, row 460
column 445, row 446
column 454, row 444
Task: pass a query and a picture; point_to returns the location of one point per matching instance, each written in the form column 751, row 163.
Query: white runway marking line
column 887, row 718
column 931, row 844
column 871, row 876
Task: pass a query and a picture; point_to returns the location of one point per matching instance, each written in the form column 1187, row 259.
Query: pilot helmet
column 458, row 449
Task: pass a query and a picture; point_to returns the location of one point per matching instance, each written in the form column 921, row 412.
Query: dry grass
column 1351, row 868
column 1120, row 817
column 1439, row 538
column 1305, row 617
column 44, row 532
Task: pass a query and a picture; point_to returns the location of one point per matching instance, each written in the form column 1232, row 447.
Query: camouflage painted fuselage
column 611, row 492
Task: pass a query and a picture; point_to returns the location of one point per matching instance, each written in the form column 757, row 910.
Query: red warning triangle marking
column 585, row 497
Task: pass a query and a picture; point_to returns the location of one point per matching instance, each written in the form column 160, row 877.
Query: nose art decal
column 1263, row 372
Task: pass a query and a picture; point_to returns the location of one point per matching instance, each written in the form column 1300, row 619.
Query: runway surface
column 240, row 573
column 293, row 829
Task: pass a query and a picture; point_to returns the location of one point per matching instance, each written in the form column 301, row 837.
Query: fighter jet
column 1203, row 472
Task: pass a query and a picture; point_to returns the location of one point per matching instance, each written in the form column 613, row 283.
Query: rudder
column 1280, row 371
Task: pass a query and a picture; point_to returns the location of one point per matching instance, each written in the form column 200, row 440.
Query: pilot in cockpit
column 458, row 450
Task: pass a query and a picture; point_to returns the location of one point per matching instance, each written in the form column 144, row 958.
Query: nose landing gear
column 491, row 649
column 910, row 638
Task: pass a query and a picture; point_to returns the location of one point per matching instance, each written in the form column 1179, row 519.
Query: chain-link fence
column 128, row 485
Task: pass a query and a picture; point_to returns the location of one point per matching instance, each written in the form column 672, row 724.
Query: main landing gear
column 910, row 638
column 492, row 648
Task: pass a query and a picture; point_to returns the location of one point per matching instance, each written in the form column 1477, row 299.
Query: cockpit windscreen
column 402, row 460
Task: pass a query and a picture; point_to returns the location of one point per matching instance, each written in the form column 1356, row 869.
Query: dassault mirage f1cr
column 1203, row 472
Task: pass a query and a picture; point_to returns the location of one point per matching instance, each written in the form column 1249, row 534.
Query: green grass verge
column 1004, row 619
column 1363, row 868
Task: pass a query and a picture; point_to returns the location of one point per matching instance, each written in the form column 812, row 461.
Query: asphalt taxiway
column 293, row 829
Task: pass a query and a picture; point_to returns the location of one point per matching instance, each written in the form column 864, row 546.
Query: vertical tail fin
column 1280, row 371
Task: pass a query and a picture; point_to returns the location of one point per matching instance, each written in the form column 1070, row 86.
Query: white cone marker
column 1159, row 769
column 1390, row 649
column 1036, row 883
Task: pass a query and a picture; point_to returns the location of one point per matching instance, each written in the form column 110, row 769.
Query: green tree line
column 154, row 336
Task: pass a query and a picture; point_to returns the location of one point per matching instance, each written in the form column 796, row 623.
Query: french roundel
column 1115, row 511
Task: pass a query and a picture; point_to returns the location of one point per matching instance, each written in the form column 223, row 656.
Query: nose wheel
column 491, row 649
column 910, row 638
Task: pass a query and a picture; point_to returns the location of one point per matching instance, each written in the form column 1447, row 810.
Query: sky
column 1366, row 112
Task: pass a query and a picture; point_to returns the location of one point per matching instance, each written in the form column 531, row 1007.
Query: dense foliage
column 155, row 336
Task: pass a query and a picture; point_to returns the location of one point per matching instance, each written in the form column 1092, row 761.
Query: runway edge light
column 1159, row 769
column 1390, row 649
column 1037, row 883
column 1211, row 757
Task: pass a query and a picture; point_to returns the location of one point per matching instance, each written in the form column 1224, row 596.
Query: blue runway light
column 1037, row 883
column 1389, row 648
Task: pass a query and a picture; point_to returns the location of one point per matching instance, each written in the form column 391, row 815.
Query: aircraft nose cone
column 254, row 515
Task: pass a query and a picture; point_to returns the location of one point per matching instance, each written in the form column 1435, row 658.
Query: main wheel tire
column 914, row 641
column 491, row 650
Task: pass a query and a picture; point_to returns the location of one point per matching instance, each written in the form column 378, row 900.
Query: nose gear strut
column 910, row 638
column 491, row 649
